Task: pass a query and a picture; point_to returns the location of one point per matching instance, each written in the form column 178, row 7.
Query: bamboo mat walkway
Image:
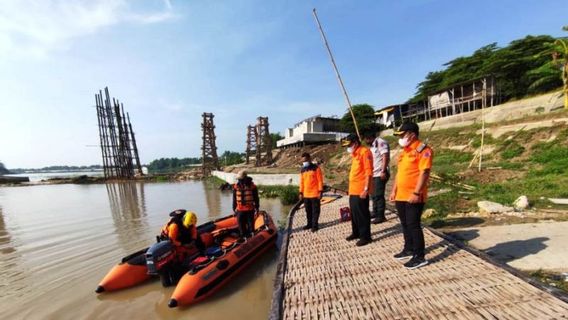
column 322, row 276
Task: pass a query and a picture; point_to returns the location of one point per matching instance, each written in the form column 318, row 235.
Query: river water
column 58, row 241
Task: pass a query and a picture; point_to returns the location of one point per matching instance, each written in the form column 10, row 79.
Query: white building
column 313, row 130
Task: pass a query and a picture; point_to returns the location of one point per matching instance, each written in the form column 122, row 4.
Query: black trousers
column 378, row 196
column 312, row 206
column 360, row 217
column 409, row 215
column 246, row 222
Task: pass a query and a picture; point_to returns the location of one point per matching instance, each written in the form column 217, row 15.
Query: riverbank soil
column 521, row 157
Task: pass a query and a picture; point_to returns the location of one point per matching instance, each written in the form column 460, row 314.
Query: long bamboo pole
column 337, row 73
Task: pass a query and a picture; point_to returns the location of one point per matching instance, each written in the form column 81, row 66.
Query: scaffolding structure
column 117, row 142
column 251, row 142
column 210, row 160
column 263, row 142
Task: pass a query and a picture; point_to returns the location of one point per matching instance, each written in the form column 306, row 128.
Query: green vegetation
column 229, row 158
column 532, row 163
column 275, row 137
column 521, row 68
column 511, row 149
column 175, row 164
column 365, row 115
column 3, row 169
column 551, row 278
column 172, row 164
column 58, row 168
column 214, row 182
column 288, row 194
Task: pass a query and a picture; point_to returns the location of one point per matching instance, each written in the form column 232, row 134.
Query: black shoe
column 379, row 220
column 374, row 215
column 306, row 227
column 362, row 242
column 315, row 229
column 416, row 262
column 403, row 255
column 351, row 237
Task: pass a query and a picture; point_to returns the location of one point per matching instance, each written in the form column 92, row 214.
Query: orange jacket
column 411, row 163
column 178, row 234
column 311, row 181
column 361, row 170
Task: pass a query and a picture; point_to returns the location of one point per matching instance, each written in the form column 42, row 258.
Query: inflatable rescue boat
column 197, row 274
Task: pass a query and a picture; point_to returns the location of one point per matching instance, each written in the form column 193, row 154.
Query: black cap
column 178, row 212
column 408, row 126
column 349, row 139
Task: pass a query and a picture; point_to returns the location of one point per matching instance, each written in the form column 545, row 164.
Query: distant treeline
column 522, row 68
column 3, row 169
column 174, row 164
column 95, row 167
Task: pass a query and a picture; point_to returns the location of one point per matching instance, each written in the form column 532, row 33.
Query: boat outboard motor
column 159, row 255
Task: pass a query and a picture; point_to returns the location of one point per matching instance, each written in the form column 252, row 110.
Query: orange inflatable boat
column 197, row 274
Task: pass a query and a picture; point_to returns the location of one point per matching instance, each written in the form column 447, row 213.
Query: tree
column 3, row 169
column 522, row 67
column 366, row 120
column 229, row 158
column 275, row 137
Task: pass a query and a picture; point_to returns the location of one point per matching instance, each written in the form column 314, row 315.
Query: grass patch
column 444, row 204
column 551, row 279
column 288, row 194
column 509, row 165
column 511, row 149
column 450, row 161
column 552, row 159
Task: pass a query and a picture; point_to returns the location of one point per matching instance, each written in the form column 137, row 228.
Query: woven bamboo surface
column 327, row 277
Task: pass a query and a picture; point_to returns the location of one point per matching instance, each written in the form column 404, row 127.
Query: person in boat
column 245, row 203
column 181, row 230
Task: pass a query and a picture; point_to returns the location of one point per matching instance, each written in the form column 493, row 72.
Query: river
column 58, row 241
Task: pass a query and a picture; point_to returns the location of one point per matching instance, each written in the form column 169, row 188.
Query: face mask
column 403, row 142
column 305, row 163
column 349, row 150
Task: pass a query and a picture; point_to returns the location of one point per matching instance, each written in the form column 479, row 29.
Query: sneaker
column 306, row 228
column 379, row 220
column 351, row 237
column 415, row 262
column 315, row 229
column 362, row 242
column 403, row 255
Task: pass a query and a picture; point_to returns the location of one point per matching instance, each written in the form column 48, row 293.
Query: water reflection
column 213, row 201
column 5, row 240
column 128, row 207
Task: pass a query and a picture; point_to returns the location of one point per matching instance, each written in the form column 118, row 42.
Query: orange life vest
column 177, row 233
column 244, row 196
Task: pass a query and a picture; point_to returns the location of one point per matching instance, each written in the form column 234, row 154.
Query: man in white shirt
column 381, row 174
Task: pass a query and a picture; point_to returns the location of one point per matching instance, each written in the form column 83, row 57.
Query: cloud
column 38, row 27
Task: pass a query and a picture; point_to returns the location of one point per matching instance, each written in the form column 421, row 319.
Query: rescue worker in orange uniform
column 409, row 192
column 311, row 189
column 181, row 230
column 360, row 185
column 245, row 203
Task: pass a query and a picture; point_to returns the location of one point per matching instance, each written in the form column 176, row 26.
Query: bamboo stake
column 337, row 73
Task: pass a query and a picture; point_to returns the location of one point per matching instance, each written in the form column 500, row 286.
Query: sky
column 169, row 61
